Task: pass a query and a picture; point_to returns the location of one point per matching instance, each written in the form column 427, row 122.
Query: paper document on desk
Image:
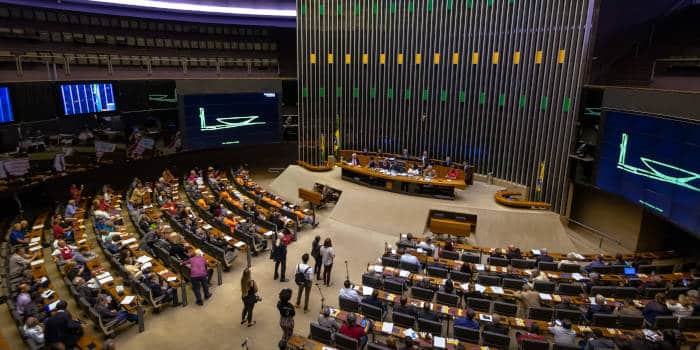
column 497, row 290
column 268, row 234
column 388, row 327
column 171, row 279
column 439, row 342
column 106, row 280
column 404, row 273
column 378, row 268
column 239, row 244
column 545, row 296
column 53, row 305
column 536, row 252
column 207, row 227
column 227, row 238
column 103, row 275
column 591, row 300
column 82, row 241
column 464, row 286
column 34, row 248
column 128, row 241
column 367, row 290
column 127, row 300
column 479, row 288
column 479, row 267
column 420, row 250
column 37, row 262
column 47, row 293
column 143, row 259
column 35, row 239
column 577, row 276
column 410, row 333
column 328, row 348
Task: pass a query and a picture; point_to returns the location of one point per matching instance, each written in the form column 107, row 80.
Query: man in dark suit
column 61, row 328
column 544, row 256
column 448, row 162
column 354, row 161
column 496, row 326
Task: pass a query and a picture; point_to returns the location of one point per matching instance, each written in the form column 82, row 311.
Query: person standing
column 249, row 290
column 303, row 277
column 287, row 314
column 316, row 254
column 328, row 255
column 280, row 257
column 198, row 276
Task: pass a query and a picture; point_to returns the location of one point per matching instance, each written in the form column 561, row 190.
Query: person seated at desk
column 496, row 326
column 683, row 307
column 17, row 235
column 85, row 291
column 348, row 292
column 408, row 258
column 427, row 244
column 351, row 329
column 23, row 298
column 404, row 154
column 448, row 245
column 429, row 172
column 619, row 260
column 155, row 285
column 627, row 308
column 83, row 256
column 385, row 164
column 372, row 163
column 405, row 308
column 533, row 333
column 424, row 158
column 452, row 174
column 325, row 320
column 412, row 170
column 108, row 313
column 354, row 161
column 598, row 307
column 427, row 314
column 598, row 262
column 34, row 330
column 448, row 287
column 374, row 300
column 468, row 320
column 544, row 257
column 564, row 335
column 513, row 252
column 63, row 252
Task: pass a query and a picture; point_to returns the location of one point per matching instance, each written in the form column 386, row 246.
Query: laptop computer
column 630, row 271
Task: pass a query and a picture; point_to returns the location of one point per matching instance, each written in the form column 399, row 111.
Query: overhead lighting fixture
column 243, row 11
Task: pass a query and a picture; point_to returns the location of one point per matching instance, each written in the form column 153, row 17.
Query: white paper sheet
column 387, row 327
column 367, row 290
column 439, row 342
column 127, row 300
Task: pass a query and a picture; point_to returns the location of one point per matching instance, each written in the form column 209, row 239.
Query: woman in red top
column 452, row 174
column 58, row 231
column 533, row 334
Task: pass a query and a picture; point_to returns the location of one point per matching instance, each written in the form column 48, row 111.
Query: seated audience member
column 372, row 163
column 83, row 255
column 348, row 292
column 544, row 256
column 19, row 266
column 113, row 245
column 683, row 307
column 408, row 258
column 108, row 313
column 627, row 308
column 448, row 246
column 471, row 292
column 533, row 333
column 63, row 252
column 156, row 285
column 598, row 342
column 593, row 280
column 429, row 172
column 325, row 320
column 34, row 330
column 36, row 307
column 452, row 174
column 405, row 308
column 85, row 291
column 537, row 275
column 427, row 314
column 513, row 253
column 618, row 260
column 427, row 244
column 61, row 229
column 374, row 300
column 599, row 307
column 409, row 344
column 412, row 170
column 564, row 335
column 468, row 320
column 527, row 299
column 351, row 329
column 71, row 210
column 566, row 304
column 17, row 235
column 496, row 326
column 23, row 298
column 448, row 287
column 598, row 262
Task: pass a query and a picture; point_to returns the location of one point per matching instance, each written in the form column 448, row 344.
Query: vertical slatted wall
column 492, row 82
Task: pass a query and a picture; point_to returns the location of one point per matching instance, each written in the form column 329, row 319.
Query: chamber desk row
column 441, row 188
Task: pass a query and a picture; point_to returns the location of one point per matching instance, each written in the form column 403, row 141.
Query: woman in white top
column 327, row 255
column 413, row 171
column 683, row 308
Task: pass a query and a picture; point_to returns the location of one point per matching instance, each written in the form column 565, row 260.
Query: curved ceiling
column 280, row 13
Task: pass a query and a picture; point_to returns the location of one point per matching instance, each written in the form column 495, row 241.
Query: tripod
column 347, row 272
column 323, row 298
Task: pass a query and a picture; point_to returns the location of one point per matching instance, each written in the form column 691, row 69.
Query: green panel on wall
column 340, row 9
column 544, row 103
column 462, row 96
column 358, row 10
column 393, row 8
column 407, row 94
column 390, row 93
column 411, row 7
column 304, row 92
column 430, row 5
column 426, row 94
column 321, row 92
column 443, row 95
column 355, row 92
column 449, row 5
column 375, row 8
column 567, row 104
column 482, row 98
column 501, row 100
column 372, row 92
column 338, row 91
column 303, row 9
column 522, row 101
column 489, row 2
column 470, row 4
column 321, row 9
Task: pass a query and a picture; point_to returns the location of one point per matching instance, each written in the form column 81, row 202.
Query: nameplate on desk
column 105, row 280
column 479, row 288
column 227, row 238
column 34, row 248
column 37, row 262
column 485, row 317
column 268, row 233
column 47, row 294
column 148, row 206
column 37, row 227
column 35, row 239
column 103, row 275
column 378, row 268
column 127, row 300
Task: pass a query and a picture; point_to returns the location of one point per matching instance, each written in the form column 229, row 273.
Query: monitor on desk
column 629, row 271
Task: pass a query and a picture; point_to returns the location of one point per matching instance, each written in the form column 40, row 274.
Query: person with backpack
column 318, row 258
column 303, row 277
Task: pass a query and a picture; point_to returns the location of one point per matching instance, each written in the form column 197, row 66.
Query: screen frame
column 59, row 97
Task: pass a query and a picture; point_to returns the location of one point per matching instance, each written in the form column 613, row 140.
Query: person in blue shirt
column 17, row 235
column 598, row 262
column 467, row 321
column 408, row 258
column 70, row 209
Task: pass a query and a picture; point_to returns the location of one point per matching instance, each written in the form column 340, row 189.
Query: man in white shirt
column 407, row 258
column 34, row 330
column 348, row 293
column 304, row 286
column 427, row 244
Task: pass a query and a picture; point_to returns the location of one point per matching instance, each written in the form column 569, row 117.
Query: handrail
column 598, row 232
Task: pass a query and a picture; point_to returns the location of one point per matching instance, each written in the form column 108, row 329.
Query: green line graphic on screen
column 649, row 205
column 226, row 122
column 162, row 98
column 653, row 173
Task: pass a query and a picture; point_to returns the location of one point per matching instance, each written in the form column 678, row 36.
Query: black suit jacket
column 58, row 329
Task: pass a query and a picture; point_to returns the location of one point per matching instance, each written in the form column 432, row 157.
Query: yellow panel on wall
column 455, row 58
column 418, row 58
column 365, row 58
column 312, row 58
column 495, row 58
column 382, row 58
column 347, row 58
column 330, row 58
column 399, row 58
column 538, row 57
column 475, row 58
column 562, row 56
column 436, row 58
column 516, row 57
